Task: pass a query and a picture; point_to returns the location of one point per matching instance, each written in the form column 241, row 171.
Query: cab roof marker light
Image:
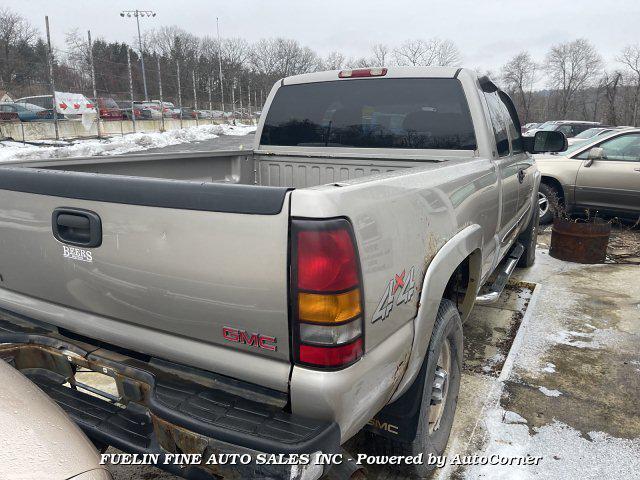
column 362, row 73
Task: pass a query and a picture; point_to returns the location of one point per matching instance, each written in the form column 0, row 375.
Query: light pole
column 138, row 14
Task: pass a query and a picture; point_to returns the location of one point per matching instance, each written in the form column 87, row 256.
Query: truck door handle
column 521, row 175
column 73, row 226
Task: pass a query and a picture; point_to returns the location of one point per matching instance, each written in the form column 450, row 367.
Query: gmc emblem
column 252, row 339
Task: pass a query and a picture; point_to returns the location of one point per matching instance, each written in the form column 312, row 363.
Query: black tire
column 447, row 328
column 529, row 239
column 551, row 196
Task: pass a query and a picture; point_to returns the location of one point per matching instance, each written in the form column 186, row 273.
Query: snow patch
column 134, row 142
column 549, row 368
column 567, row 337
column 565, row 452
column 550, row 393
column 513, row 417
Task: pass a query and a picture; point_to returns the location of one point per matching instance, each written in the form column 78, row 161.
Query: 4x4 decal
column 399, row 290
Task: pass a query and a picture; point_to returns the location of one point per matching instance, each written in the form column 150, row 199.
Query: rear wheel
column 548, row 198
column 439, row 395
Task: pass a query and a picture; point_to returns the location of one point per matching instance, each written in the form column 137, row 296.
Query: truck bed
column 191, row 245
column 230, row 167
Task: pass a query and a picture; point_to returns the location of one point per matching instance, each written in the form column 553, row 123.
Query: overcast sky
column 487, row 32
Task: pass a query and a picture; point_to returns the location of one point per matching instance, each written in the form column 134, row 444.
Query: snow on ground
column 550, row 393
column 134, row 142
column 565, row 452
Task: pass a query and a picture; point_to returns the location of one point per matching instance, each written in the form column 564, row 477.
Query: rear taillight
column 326, row 293
column 363, row 72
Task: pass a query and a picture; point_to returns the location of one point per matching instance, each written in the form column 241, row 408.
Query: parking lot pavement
column 571, row 395
column 552, row 369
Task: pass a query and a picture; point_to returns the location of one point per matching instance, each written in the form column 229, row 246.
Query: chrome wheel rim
column 543, row 204
column 440, row 387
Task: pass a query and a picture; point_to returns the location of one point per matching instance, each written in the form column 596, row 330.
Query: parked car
column 9, row 113
column 152, row 108
column 601, row 174
column 529, row 126
column 28, row 112
column 70, row 105
column 140, row 112
column 38, row 439
column 167, row 108
column 283, row 298
column 108, row 108
column 187, row 112
column 569, row 128
column 590, row 133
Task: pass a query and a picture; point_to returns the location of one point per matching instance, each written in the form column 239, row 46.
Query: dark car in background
column 140, row 112
column 187, row 112
column 108, row 108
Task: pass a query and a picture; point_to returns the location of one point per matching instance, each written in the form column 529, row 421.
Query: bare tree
column 16, row 33
column 380, row 55
column 610, row 84
column 630, row 58
column 280, row 57
column 426, row 53
column 571, row 67
column 519, row 76
column 333, row 61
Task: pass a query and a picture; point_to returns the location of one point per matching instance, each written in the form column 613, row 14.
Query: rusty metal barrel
column 580, row 242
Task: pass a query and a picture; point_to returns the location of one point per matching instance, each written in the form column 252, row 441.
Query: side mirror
column 546, row 141
column 596, row 153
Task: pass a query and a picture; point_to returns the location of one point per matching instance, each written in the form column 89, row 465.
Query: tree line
column 572, row 81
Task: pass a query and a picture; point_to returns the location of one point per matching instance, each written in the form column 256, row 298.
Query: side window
column 581, row 128
column 567, row 130
column 498, row 122
column 513, row 122
column 624, row 148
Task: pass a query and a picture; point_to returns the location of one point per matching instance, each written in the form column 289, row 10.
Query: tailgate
column 203, row 287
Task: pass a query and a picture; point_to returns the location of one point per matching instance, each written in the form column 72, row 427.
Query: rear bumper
column 160, row 411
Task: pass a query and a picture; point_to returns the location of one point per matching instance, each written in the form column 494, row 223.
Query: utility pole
column 210, row 104
column 233, row 99
column 93, row 80
column 140, row 13
column 133, row 111
column 240, row 94
column 179, row 91
column 220, row 64
column 249, row 99
column 160, row 92
column 51, row 82
column 195, row 96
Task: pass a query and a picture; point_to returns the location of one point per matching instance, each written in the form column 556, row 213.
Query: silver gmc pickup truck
column 279, row 300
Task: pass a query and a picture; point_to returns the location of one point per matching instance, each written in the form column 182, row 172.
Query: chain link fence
column 122, row 97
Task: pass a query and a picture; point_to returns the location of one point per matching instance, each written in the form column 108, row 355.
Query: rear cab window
column 403, row 113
